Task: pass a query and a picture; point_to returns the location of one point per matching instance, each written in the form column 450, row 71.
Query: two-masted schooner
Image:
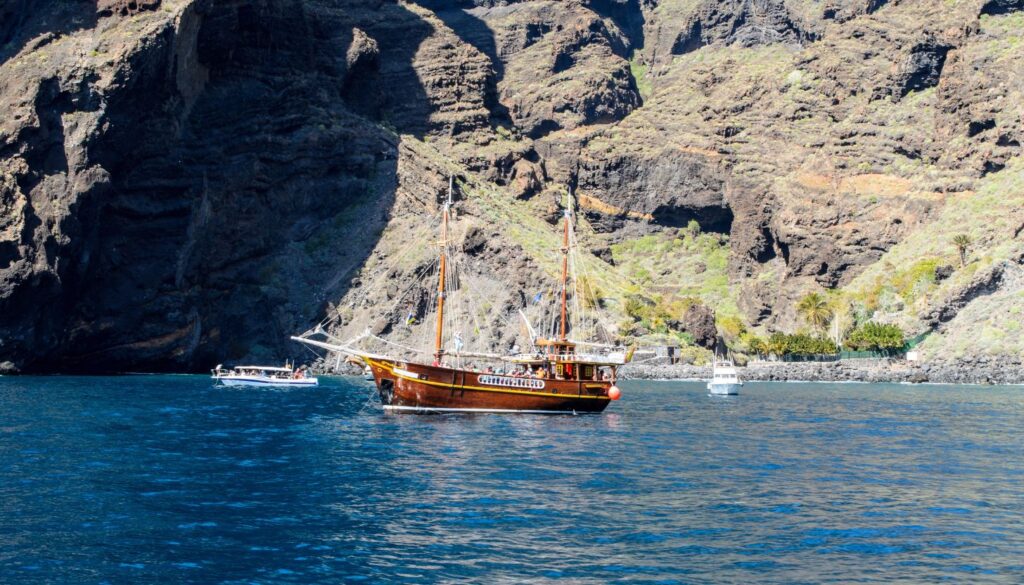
column 554, row 378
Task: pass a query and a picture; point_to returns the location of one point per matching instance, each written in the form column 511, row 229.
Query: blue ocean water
column 145, row 479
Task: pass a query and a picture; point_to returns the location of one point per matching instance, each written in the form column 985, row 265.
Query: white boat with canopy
column 263, row 376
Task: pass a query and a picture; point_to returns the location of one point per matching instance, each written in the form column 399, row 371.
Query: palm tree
column 962, row 243
column 815, row 309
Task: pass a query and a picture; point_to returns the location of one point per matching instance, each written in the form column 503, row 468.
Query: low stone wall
column 976, row 371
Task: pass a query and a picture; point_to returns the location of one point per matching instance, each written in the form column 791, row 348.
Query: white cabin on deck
column 725, row 379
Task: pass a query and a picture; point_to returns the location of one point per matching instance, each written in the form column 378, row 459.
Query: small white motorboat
column 368, row 374
column 263, row 376
column 725, row 381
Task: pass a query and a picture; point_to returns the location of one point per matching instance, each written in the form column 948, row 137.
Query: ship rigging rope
column 589, row 291
column 586, row 322
column 310, row 349
column 466, row 301
column 427, row 331
column 399, row 345
column 471, row 300
column 452, row 322
column 462, row 296
column 413, row 244
column 430, row 268
column 578, row 316
column 474, row 298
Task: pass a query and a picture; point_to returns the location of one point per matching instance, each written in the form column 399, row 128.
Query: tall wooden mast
column 565, row 268
column 438, row 341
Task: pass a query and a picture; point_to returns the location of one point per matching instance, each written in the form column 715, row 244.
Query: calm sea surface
column 144, row 479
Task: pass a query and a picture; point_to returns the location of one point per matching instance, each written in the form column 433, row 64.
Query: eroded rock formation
column 125, row 7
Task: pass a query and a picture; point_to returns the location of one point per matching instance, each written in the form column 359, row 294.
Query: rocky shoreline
column 982, row 370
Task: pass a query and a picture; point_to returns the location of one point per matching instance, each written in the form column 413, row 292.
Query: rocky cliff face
column 189, row 181
column 171, row 174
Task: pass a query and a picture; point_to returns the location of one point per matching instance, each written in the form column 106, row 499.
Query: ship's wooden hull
column 411, row 387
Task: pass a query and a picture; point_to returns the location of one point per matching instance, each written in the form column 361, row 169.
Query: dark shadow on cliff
column 471, row 29
column 628, row 16
column 41, row 22
column 233, row 218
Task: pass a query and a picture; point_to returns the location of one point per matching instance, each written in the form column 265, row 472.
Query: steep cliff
column 180, row 183
column 187, row 181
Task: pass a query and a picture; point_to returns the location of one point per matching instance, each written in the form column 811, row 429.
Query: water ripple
column 166, row 479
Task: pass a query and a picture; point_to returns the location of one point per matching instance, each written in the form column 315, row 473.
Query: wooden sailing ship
column 553, row 379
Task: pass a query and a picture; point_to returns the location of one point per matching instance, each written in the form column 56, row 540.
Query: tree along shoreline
column 979, row 370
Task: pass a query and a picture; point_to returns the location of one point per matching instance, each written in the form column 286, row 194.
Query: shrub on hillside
column 876, row 336
column 753, row 344
column 731, row 327
column 799, row 344
column 638, row 307
column 664, row 317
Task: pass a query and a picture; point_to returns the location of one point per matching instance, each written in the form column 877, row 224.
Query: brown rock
column 665, row 186
column 699, row 321
column 527, row 179
column 756, row 300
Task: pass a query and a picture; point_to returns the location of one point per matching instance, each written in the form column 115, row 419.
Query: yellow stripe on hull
column 482, row 389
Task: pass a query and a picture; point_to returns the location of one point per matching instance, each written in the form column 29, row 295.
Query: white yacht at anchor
column 725, row 380
column 263, row 376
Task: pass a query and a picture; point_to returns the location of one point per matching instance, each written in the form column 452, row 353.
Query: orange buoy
column 614, row 393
